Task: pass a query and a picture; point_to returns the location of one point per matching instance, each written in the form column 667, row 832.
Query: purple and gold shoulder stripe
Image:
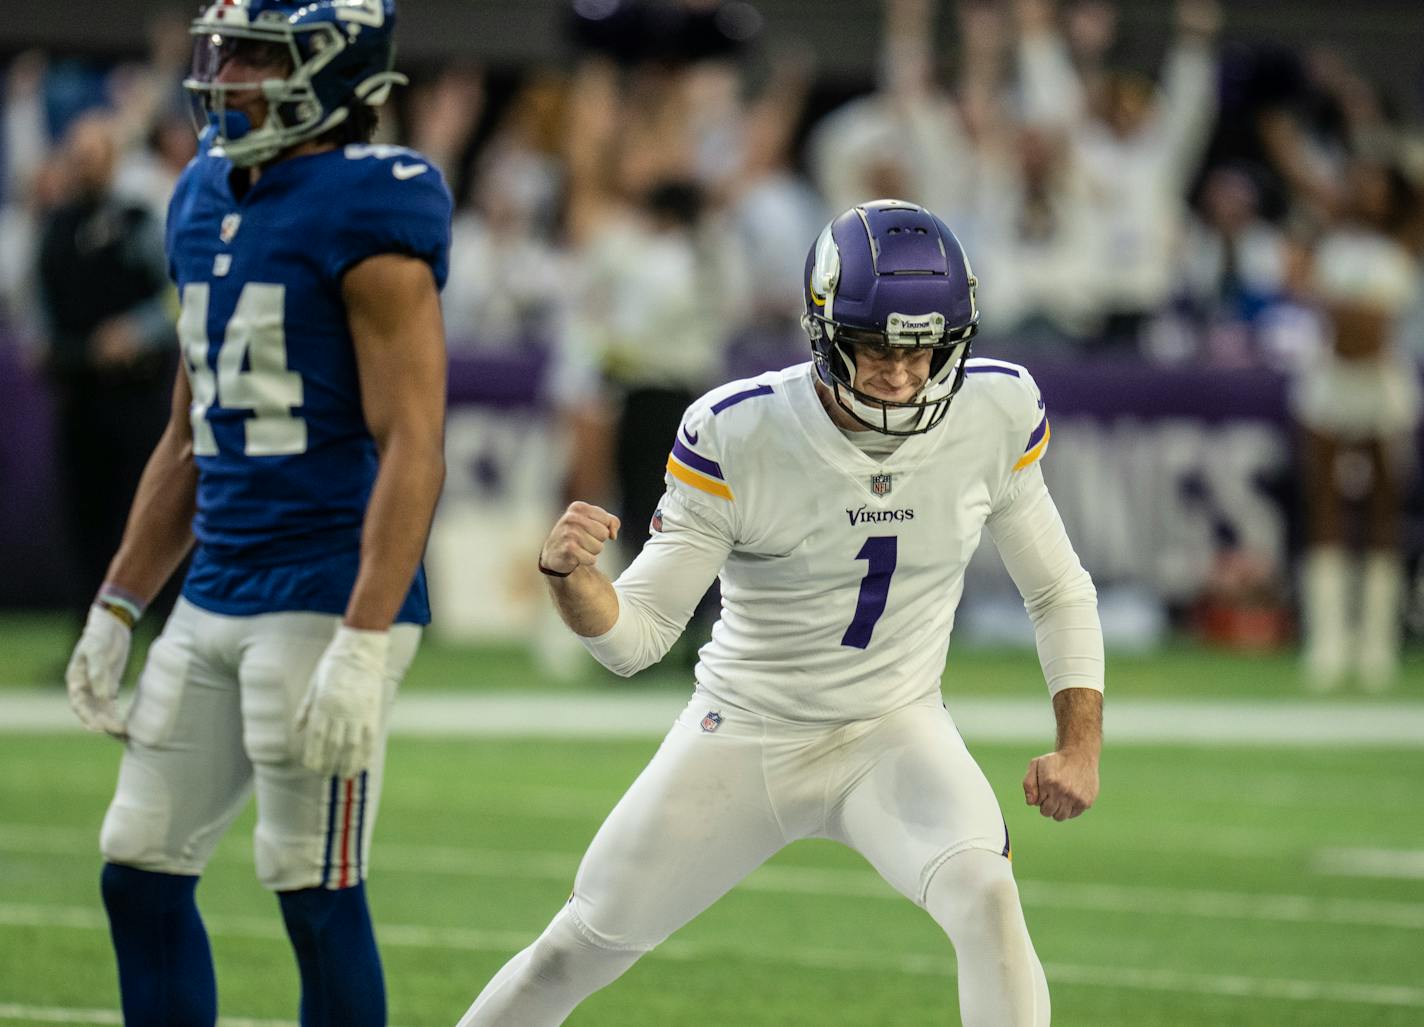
column 696, row 470
column 1037, row 443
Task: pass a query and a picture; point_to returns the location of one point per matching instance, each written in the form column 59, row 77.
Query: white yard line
column 1394, row 864
column 644, row 714
column 1344, row 992
column 918, row 964
column 840, row 884
column 58, row 1014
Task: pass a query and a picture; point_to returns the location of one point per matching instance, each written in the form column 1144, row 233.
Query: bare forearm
column 1079, row 712
column 159, row 531
column 406, row 490
column 393, row 310
column 586, row 601
column 1064, row 783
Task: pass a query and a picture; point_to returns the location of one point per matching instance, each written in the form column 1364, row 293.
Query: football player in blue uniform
column 304, row 454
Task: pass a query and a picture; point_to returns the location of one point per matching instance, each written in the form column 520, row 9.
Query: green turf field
column 1212, row 885
column 34, row 647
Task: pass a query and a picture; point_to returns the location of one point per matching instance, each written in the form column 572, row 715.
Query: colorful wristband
column 122, row 603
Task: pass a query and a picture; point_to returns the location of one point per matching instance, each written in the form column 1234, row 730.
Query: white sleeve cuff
column 620, row 646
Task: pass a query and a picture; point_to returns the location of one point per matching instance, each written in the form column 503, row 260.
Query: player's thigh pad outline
column 911, row 797
column 158, row 694
column 694, row 823
column 312, row 830
column 184, row 776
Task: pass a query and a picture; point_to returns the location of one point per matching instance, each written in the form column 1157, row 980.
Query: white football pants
column 725, row 793
column 213, row 716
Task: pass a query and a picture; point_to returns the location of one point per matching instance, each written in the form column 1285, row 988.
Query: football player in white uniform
column 839, row 502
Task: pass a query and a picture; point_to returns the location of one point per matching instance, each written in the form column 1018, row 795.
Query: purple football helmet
column 889, row 274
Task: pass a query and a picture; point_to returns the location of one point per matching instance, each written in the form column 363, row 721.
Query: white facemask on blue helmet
column 312, row 61
column 889, row 274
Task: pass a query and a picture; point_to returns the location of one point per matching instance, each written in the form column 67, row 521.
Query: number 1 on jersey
column 879, row 553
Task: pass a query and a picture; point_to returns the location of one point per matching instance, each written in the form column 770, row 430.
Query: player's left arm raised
column 393, row 311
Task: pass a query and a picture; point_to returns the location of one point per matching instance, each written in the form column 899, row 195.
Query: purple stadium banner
column 1133, row 445
column 34, row 568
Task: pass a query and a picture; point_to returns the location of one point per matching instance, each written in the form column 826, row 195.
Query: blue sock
column 336, row 952
column 165, row 965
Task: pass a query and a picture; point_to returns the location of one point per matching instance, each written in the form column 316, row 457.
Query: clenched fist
column 577, row 538
column 1061, row 784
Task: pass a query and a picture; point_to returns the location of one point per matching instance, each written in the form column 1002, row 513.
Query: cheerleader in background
column 1359, row 407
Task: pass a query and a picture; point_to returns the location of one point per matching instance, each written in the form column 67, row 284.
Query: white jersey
column 840, row 572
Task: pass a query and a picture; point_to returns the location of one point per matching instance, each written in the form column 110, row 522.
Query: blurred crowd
column 642, row 211
column 665, row 182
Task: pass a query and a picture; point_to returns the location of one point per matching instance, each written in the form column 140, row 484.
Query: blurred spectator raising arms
column 506, row 275
column 1233, row 288
column 651, row 280
column 1138, row 149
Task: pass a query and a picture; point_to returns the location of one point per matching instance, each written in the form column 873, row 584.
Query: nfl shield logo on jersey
column 880, row 484
column 229, row 227
column 712, row 721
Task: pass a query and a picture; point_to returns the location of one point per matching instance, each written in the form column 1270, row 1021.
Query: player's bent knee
column 287, row 864
column 594, row 934
column 127, row 836
column 570, row 951
column 997, row 902
column 975, row 887
column 137, row 836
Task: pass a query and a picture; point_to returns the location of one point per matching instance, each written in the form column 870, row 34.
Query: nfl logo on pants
column 712, row 721
column 880, row 484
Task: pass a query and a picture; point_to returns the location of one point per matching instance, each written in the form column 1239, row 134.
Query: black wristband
column 551, row 572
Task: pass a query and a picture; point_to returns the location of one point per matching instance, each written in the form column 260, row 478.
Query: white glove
column 341, row 712
column 92, row 676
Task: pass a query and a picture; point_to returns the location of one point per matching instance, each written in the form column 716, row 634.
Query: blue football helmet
column 889, row 274
column 326, row 56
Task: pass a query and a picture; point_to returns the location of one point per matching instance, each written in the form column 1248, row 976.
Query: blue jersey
column 285, row 461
